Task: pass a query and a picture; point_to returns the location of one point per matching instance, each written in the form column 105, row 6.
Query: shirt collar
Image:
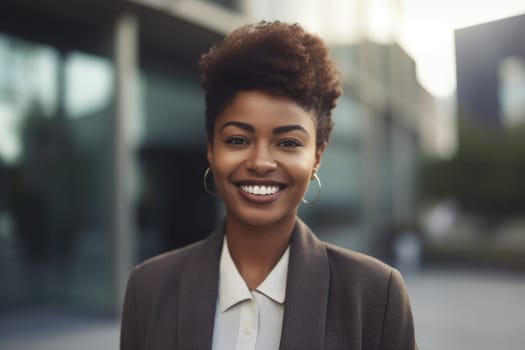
column 274, row 285
column 233, row 289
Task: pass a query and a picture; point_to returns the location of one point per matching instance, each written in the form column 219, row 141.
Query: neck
column 256, row 250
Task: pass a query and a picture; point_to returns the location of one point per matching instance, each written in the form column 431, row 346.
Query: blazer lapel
column 198, row 296
column 186, row 321
column 306, row 292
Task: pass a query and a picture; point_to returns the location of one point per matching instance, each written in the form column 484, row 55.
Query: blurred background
column 102, row 153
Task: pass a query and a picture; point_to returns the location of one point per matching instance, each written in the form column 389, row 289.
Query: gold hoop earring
column 316, row 178
column 205, row 182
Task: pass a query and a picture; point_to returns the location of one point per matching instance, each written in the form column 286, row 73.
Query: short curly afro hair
column 275, row 57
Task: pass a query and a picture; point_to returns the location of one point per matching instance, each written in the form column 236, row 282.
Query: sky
column 424, row 28
column 428, row 34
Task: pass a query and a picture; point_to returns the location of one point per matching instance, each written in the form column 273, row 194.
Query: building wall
column 480, row 51
column 105, row 147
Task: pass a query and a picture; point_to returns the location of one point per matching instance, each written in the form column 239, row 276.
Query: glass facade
column 229, row 4
column 64, row 211
column 511, row 90
column 173, row 208
column 55, row 110
column 339, row 203
column 57, row 118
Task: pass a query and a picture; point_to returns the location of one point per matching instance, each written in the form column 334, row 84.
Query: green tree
column 486, row 175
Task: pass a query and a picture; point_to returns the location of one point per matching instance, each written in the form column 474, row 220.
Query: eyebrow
column 279, row 130
column 288, row 128
column 240, row 125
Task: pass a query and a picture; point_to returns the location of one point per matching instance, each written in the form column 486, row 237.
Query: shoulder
column 374, row 290
column 160, row 266
column 346, row 267
column 361, row 272
column 144, row 291
column 343, row 258
column 149, row 277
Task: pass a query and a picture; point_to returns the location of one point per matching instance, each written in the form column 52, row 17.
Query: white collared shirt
column 244, row 319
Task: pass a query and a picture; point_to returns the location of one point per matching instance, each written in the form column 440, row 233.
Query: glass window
column 511, row 90
column 173, row 208
column 54, row 176
column 340, row 173
column 229, row 4
column 89, row 82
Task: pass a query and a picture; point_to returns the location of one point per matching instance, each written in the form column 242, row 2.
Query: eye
column 236, row 140
column 290, row 144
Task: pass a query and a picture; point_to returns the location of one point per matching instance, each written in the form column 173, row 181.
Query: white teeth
column 260, row 190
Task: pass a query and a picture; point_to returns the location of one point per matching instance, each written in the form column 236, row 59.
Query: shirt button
column 247, row 331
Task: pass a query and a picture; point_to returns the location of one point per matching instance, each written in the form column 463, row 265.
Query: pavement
column 50, row 329
column 463, row 310
column 453, row 310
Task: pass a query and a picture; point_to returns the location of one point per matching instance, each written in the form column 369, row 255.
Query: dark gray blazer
column 335, row 299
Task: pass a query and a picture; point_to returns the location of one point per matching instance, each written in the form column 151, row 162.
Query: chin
column 260, row 218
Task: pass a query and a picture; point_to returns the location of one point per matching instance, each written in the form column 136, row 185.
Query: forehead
column 265, row 110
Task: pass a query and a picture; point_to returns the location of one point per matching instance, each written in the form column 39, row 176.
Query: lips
column 260, row 192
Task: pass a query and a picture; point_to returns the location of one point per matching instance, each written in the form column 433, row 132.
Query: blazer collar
column 184, row 315
column 306, row 292
column 198, row 295
column 188, row 320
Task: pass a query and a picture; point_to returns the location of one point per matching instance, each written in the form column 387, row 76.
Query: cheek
column 224, row 163
column 301, row 167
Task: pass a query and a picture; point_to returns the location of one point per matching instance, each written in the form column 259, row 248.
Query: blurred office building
column 491, row 110
column 479, row 193
column 102, row 142
column 491, row 72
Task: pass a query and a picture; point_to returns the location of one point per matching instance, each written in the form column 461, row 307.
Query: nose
column 261, row 160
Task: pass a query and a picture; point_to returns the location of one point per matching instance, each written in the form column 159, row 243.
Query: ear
column 209, row 152
column 318, row 155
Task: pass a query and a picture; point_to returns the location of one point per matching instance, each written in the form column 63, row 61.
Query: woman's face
column 263, row 157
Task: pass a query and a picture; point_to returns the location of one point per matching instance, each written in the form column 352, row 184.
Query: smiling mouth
column 260, row 190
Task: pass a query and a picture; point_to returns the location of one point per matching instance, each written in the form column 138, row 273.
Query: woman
column 262, row 280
